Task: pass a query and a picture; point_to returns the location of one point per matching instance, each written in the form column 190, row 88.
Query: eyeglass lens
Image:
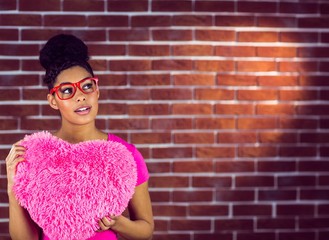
column 68, row 90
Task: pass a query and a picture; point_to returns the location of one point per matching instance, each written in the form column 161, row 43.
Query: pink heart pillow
column 67, row 188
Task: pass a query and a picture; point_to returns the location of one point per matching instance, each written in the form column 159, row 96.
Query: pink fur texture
column 67, row 187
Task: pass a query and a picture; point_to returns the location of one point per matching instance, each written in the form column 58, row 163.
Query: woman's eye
column 67, row 90
column 87, row 86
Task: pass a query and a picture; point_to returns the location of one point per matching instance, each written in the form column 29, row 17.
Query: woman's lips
column 83, row 110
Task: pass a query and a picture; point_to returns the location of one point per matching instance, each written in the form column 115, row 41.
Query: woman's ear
column 52, row 101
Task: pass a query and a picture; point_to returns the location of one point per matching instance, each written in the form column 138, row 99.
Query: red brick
column 297, row 123
column 256, row 66
column 148, row 50
column 235, row 51
column 131, row 123
column 277, row 137
column 19, row 110
column 257, row 123
column 130, row 65
column 295, row 210
column 215, row 123
column 8, row 5
column 236, row 80
column 159, row 196
column 231, row 21
column 234, row 109
column 192, row 50
column 319, row 109
column 107, row 21
column 279, row 52
column 127, row 6
column 269, row 109
column 256, row 7
column 256, row 235
column 9, row 34
column 192, row 109
column 39, row 124
column 149, row 20
column 193, row 166
column 234, row 224
column 128, row 94
column 214, row 65
column 214, row 35
column 9, row 65
column 298, row 95
column 172, row 64
column 174, row 123
column 257, row 95
column 237, row 137
column 188, row 225
column 278, row 22
column 20, row 20
column 192, row 20
column 254, row 181
column 213, row 6
column 148, row 138
column 213, row 236
column 299, row 37
column 172, row 152
column 298, row 66
column 213, row 94
column 148, row 109
column 215, row 152
column 65, row 20
column 261, row 151
column 313, row 166
column 211, row 210
column 194, row 79
column 276, row 166
column 111, row 109
column 102, row 49
column 172, row 35
column 172, row 211
column 76, row 5
column 192, row 196
column 211, row 181
column 320, row 137
column 171, row 6
column 129, row 35
column 112, row 80
column 314, row 194
column 31, row 65
column 313, row 22
column 279, row 81
column 289, row 7
column 316, row 52
column 258, row 37
column 288, row 181
column 235, row 166
column 9, row 94
column 9, row 124
column 149, row 79
column 194, row 138
column 300, row 235
column 159, row 167
column 297, row 151
column 277, row 195
column 276, row 223
column 168, row 181
column 171, row 94
column 252, row 210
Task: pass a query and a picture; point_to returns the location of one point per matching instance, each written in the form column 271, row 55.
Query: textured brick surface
column 226, row 100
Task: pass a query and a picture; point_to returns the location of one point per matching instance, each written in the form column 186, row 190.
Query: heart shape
column 67, row 188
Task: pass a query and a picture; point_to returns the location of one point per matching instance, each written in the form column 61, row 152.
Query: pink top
column 142, row 176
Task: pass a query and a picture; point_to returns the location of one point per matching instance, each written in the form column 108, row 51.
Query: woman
column 74, row 93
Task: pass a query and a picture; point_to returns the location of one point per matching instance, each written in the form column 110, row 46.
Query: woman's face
column 80, row 109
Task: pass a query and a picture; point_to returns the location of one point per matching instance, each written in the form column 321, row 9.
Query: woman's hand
column 15, row 156
column 107, row 223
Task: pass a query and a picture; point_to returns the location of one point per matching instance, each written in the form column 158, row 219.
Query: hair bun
column 63, row 48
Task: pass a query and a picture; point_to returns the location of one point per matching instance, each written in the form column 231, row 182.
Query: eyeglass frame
column 75, row 86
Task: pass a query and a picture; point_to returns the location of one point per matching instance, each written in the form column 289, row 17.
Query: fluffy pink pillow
column 67, row 188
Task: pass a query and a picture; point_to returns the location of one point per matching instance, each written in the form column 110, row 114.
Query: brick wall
column 227, row 101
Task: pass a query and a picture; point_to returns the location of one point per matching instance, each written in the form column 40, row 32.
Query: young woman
column 73, row 91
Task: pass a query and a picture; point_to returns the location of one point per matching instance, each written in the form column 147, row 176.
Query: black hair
column 61, row 52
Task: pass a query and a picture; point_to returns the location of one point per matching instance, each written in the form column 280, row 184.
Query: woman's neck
column 78, row 134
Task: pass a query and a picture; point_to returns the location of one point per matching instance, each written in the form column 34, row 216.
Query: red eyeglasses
column 65, row 91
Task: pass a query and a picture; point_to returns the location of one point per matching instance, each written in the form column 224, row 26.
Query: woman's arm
column 140, row 225
column 21, row 226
